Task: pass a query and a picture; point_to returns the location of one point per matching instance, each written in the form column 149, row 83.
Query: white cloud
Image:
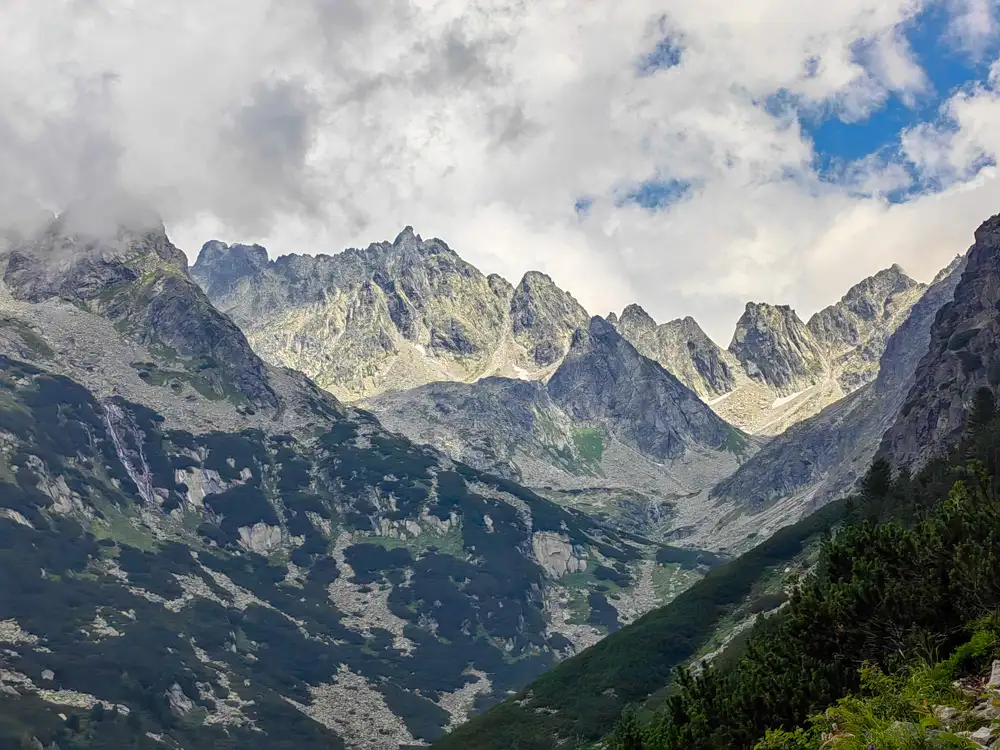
column 319, row 124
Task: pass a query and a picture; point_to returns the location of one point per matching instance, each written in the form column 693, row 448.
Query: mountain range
column 366, row 495
column 398, row 315
column 577, row 445
column 217, row 551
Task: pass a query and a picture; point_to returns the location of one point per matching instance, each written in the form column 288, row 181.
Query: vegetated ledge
column 581, row 698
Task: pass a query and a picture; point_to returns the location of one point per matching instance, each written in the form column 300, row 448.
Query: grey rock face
column 820, row 458
column 962, row 357
column 544, row 317
column 604, row 380
column 486, row 424
column 854, row 331
column 683, row 349
column 776, row 348
column 230, row 265
column 635, row 320
column 392, row 316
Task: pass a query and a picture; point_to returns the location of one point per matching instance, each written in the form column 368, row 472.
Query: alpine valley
column 351, row 501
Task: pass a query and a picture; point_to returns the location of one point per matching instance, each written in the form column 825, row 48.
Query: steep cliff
column 962, row 357
column 683, row 349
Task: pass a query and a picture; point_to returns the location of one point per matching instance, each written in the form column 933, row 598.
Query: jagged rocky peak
column 635, row 320
column 502, row 288
column 776, row 348
column 407, row 238
column 957, row 261
column 221, row 267
column 612, row 318
column 544, row 317
column 682, row 348
column 868, row 306
column 604, row 380
column 963, row 356
column 700, row 362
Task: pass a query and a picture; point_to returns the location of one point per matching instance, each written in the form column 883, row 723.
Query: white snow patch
column 782, row 400
column 719, row 399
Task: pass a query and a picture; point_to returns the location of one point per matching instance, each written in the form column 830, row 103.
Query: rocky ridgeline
column 400, row 315
column 389, row 317
column 777, row 369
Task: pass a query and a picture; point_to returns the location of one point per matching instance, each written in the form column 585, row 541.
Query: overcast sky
column 689, row 155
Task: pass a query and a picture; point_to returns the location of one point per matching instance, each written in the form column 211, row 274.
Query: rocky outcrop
column 963, row 356
column 604, row 381
column 556, row 555
column 777, row 349
column 180, row 705
column 544, row 317
column 684, row 350
column 855, row 330
column 261, row 538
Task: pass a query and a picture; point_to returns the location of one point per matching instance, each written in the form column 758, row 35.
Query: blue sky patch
column 838, row 144
column 947, row 70
column 666, row 54
column 655, row 195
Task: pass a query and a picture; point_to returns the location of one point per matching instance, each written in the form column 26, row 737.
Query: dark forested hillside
column 581, row 697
